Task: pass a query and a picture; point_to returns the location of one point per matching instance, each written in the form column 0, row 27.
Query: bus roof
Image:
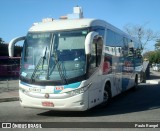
column 68, row 24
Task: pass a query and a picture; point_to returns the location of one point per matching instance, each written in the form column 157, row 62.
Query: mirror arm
column 88, row 41
column 12, row 43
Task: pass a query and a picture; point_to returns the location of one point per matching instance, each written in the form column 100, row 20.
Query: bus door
column 95, row 93
column 117, row 69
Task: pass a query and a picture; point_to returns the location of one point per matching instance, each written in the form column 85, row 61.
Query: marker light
column 79, row 90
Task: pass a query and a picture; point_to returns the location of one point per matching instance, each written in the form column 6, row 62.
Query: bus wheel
column 135, row 83
column 107, row 95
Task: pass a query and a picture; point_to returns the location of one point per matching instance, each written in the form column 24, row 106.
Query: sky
column 17, row 16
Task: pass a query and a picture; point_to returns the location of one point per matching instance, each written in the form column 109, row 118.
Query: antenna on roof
column 77, row 13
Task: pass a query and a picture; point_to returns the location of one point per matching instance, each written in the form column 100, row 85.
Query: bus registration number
column 37, row 90
column 47, row 103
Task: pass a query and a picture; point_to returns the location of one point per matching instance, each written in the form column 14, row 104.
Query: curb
column 9, row 99
column 153, row 81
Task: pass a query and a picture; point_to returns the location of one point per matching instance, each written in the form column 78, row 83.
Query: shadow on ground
column 146, row 97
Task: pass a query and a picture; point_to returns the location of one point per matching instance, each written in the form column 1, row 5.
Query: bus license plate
column 48, row 104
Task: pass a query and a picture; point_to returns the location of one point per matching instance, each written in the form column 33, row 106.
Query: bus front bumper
column 75, row 103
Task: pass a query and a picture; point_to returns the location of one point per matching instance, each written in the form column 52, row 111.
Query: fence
column 11, row 70
column 8, row 84
column 9, row 73
column 9, row 66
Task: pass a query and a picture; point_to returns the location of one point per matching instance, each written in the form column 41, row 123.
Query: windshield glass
column 54, row 56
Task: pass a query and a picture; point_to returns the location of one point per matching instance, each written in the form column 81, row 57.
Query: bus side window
column 93, row 56
column 99, row 50
column 97, row 46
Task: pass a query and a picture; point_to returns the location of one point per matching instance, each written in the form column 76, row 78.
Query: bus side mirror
column 12, row 43
column 131, row 45
column 88, row 42
column 138, row 53
column 130, row 49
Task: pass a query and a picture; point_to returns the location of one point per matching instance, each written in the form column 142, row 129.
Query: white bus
column 75, row 64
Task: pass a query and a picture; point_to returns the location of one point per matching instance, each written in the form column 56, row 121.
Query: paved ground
column 142, row 105
column 9, row 87
column 154, row 77
column 8, row 84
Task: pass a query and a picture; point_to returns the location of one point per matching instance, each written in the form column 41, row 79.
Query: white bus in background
column 75, row 64
column 156, row 67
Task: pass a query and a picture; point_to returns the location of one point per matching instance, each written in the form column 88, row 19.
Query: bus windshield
column 55, row 56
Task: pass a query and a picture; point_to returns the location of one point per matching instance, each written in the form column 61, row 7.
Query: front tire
column 107, row 95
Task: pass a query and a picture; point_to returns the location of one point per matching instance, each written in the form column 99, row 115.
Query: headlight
column 79, row 90
column 23, row 90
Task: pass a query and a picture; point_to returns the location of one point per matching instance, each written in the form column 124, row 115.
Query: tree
column 149, row 56
column 1, row 41
column 157, row 45
column 152, row 56
column 141, row 33
column 157, row 57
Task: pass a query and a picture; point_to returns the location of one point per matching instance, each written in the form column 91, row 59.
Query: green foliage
column 152, row 56
column 157, row 45
column 1, row 41
column 158, row 56
column 4, row 49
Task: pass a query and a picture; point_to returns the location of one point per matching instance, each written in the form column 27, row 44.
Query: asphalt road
column 142, row 105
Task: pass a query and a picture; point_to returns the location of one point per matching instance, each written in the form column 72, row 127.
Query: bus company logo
column 46, row 95
column 59, row 88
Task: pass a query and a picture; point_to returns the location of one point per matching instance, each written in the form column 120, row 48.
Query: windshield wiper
column 61, row 72
column 41, row 60
column 56, row 62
